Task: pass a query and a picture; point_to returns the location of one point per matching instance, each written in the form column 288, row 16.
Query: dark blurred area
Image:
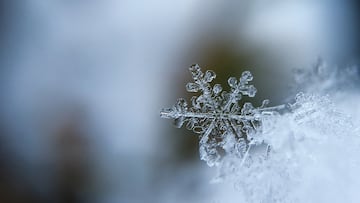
column 82, row 84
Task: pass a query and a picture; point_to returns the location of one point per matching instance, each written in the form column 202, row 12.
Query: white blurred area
column 104, row 69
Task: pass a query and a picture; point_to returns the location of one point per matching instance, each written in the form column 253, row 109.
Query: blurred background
column 82, row 84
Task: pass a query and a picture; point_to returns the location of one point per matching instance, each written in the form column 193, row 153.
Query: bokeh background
column 82, row 84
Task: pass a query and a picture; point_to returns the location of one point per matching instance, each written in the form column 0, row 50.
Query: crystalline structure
column 224, row 126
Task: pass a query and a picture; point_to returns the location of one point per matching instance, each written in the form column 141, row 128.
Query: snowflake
column 224, row 126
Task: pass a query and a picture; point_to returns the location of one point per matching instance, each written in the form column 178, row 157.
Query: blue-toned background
column 82, row 84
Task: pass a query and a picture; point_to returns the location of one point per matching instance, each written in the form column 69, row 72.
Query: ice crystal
column 224, row 126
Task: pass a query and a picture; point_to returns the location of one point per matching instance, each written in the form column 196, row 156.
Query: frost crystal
column 224, row 126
